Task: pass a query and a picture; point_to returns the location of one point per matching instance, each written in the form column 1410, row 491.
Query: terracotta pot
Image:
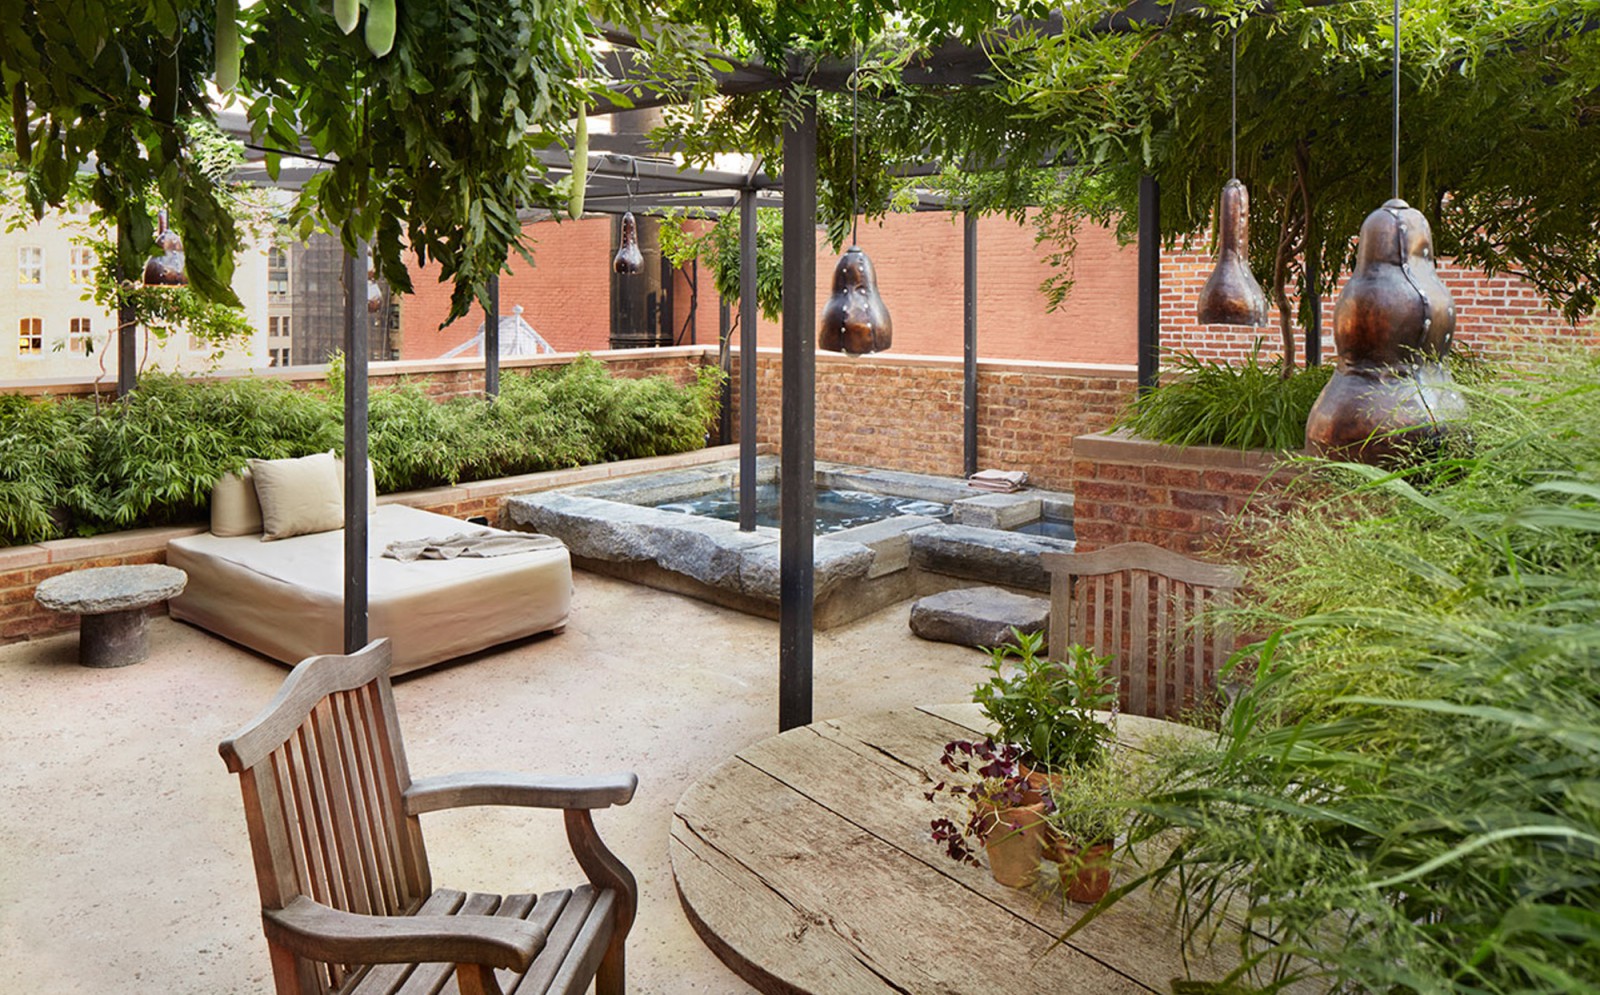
column 1085, row 874
column 1040, row 783
column 1014, row 839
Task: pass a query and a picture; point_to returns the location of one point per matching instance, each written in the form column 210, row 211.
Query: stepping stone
column 112, row 601
column 978, row 616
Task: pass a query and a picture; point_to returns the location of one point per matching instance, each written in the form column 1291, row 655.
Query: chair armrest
column 318, row 932
column 430, row 794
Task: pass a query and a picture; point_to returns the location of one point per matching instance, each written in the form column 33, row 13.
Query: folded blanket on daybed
column 484, row 543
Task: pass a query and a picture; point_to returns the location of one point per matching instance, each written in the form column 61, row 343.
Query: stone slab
column 978, row 616
column 1009, row 558
column 997, row 511
column 110, row 589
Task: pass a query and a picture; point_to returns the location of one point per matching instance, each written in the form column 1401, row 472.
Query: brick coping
column 111, row 544
column 1122, row 446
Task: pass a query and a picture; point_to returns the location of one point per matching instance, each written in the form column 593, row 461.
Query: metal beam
column 1149, row 341
column 969, row 343
column 491, row 341
column 747, row 360
column 797, row 506
column 356, row 322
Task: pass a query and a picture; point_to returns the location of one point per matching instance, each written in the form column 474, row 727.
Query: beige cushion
column 372, row 485
column 235, row 511
column 299, row 496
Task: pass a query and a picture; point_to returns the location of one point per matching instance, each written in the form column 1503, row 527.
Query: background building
column 50, row 328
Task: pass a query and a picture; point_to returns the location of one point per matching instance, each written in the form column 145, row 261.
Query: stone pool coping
column 612, row 527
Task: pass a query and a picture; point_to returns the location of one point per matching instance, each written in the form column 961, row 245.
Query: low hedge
column 72, row 467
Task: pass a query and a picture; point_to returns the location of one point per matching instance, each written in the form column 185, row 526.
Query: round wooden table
column 805, row 863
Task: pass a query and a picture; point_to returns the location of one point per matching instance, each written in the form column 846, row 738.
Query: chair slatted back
column 1145, row 607
column 322, row 770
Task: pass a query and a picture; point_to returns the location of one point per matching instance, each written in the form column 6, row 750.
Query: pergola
column 624, row 176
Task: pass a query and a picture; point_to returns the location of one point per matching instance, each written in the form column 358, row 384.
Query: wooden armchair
column 1139, row 604
column 347, row 902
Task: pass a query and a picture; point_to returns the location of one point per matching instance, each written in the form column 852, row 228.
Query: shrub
column 153, row 457
column 1248, row 405
column 1408, row 797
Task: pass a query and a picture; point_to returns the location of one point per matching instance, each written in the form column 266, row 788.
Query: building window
column 277, row 273
column 278, row 357
column 80, row 268
column 80, row 338
column 30, row 266
column 30, row 337
column 278, row 326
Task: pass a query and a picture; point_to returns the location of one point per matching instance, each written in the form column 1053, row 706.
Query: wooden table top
column 805, row 863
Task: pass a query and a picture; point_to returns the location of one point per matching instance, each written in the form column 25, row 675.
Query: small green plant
column 1093, row 803
column 1047, row 707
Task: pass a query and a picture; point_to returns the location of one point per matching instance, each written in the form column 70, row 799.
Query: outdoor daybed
column 284, row 597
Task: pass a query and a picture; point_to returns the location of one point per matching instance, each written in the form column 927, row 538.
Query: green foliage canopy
column 432, row 145
column 1498, row 124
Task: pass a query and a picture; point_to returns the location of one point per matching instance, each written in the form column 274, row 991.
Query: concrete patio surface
column 124, row 863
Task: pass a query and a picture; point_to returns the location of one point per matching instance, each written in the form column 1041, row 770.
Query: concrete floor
column 124, row 864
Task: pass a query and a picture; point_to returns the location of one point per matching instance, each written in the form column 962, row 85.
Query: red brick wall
column 1495, row 315
column 1185, row 499
column 904, row 413
column 919, row 258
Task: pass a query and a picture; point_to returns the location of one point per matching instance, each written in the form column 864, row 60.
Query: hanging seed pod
column 629, row 259
column 1393, row 325
column 855, row 320
column 166, row 270
column 1231, row 295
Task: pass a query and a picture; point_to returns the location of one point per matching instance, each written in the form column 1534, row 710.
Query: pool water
column 836, row 509
column 1051, row 528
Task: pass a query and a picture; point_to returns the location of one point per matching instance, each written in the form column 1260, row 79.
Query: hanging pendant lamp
column 1390, row 397
column 855, row 320
column 1231, row 295
column 629, row 259
column 166, row 270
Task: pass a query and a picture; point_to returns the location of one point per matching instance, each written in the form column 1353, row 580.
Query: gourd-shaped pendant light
column 1231, row 295
column 166, row 270
column 855, row 320
column 1390, row 397
column 629, row 259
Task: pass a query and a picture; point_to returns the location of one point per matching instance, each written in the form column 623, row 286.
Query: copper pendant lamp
column 855, row 320
column 166, row 270
column 629, row 259
column 1391, row 397
column 1231, row 295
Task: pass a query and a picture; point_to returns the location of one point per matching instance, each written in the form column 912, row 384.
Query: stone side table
column 111, row 601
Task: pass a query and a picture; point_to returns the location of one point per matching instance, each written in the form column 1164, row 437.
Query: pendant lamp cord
column 855, row 143
column 1397, row 99
column 633, row 182
column 1233, row 126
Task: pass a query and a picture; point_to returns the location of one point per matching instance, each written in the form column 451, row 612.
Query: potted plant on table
column 1006, row 814
column 1047, row 707
column 1089, row 811
column 1044, row 714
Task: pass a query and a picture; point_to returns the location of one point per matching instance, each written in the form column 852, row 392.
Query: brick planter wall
column 904, row 412
column 1182, row 498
